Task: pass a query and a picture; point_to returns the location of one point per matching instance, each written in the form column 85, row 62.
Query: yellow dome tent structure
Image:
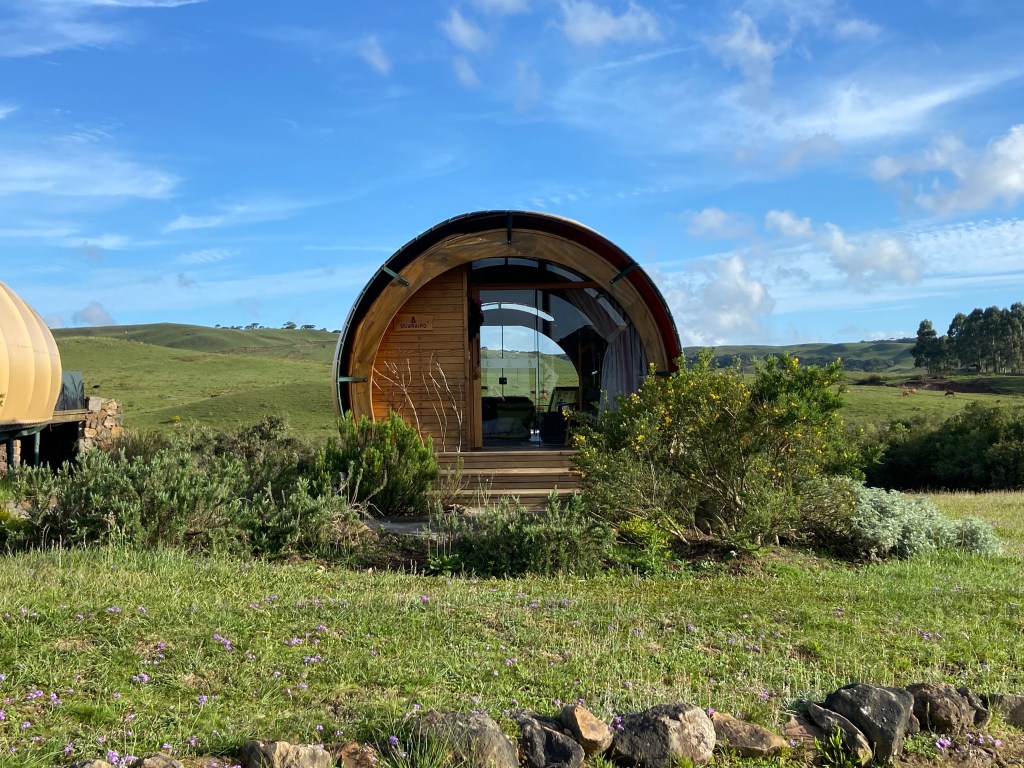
column 30, row 370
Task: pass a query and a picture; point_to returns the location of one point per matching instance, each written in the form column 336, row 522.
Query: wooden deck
column 529, row 474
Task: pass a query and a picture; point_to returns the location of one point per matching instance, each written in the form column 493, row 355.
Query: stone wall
column 103, row 424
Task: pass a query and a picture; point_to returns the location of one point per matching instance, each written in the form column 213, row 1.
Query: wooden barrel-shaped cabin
column 30, row 369
column 486, row 329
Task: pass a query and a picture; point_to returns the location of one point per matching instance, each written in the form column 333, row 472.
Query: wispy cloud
column 856, row 29
column 7, row 109
column 463, row 33
column 373, row 54
column 206, row 256
column 71, row 171
column 503, row 7
column 743, row 47
column 36, row 27
column 239, row 214
column 464, row 72
column 587, row 23
column 873, row 106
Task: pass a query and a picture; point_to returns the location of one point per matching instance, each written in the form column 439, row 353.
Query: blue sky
column 787, row 170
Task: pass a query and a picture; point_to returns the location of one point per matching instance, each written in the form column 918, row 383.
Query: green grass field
column 111, row 649
column 234, row 386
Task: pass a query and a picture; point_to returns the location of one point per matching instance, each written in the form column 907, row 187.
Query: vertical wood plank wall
column 407, row 368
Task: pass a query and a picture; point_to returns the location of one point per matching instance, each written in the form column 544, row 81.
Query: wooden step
column 472, row 460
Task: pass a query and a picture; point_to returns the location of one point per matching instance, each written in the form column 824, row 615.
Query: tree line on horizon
column 984, row 341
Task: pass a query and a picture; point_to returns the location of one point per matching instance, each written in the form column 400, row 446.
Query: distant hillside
column 873, row 356
column 297, row 344
column 214, row 377
column 169, row 376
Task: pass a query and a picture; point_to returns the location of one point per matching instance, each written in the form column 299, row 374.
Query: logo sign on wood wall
column 416, row 323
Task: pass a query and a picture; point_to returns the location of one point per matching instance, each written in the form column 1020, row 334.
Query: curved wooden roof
column 30, row 369
column 488, row 234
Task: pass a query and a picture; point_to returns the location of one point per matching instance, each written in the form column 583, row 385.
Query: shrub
column 385, row 464
column 980, row 448
column 704, row 445
column 884, row 524
column 507, row 540
column 242, row 491
column 305, row 522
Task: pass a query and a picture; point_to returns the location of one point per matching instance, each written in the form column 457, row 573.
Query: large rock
column 745, row 739
column 854, row 742
column 158, row 760
column 352, row 754
column 474, row 739
column 1010, row 706
column 544, row 745
column 799, row 730
column 981, row 713
column 882, row 715
column 281, row 754
column 660, row 736
column 591, row 733
column 940, row 708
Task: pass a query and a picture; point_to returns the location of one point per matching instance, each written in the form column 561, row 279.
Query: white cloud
column 373, row 54
column 464, row 72
column 788, row 224
column 946, row 152
column 718, row 301
column 856, row 29
column 995, row 174
column 878, row 259
column 93, row 314
column 463, row 33
column 72, row 171
column 36, row 27
column 93, row 246
column 503, row 7
column 716, row 223
column 744, row 48
column 819, row 145
column 528, row 86
column 239, row 213
column 586, row 23
column 205, row 256
column 6, row 109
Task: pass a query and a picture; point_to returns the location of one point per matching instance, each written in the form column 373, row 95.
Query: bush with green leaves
column 882, row 524
column 508, row 540
column 385, row 464
column 243, row 492
column 980, row 448
column 710, row 446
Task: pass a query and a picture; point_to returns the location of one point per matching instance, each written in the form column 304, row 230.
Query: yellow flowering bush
column 708, row 447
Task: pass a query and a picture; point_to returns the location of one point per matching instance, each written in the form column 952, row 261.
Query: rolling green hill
column 167, row 374
column 244, row 379
column 870, row 356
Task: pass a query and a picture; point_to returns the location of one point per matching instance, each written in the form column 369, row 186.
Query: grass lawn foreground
column 137, row 652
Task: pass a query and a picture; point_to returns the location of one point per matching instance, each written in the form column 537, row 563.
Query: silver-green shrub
column 886, row 524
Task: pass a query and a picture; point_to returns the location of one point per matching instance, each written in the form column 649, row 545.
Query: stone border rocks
column 866, row 723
